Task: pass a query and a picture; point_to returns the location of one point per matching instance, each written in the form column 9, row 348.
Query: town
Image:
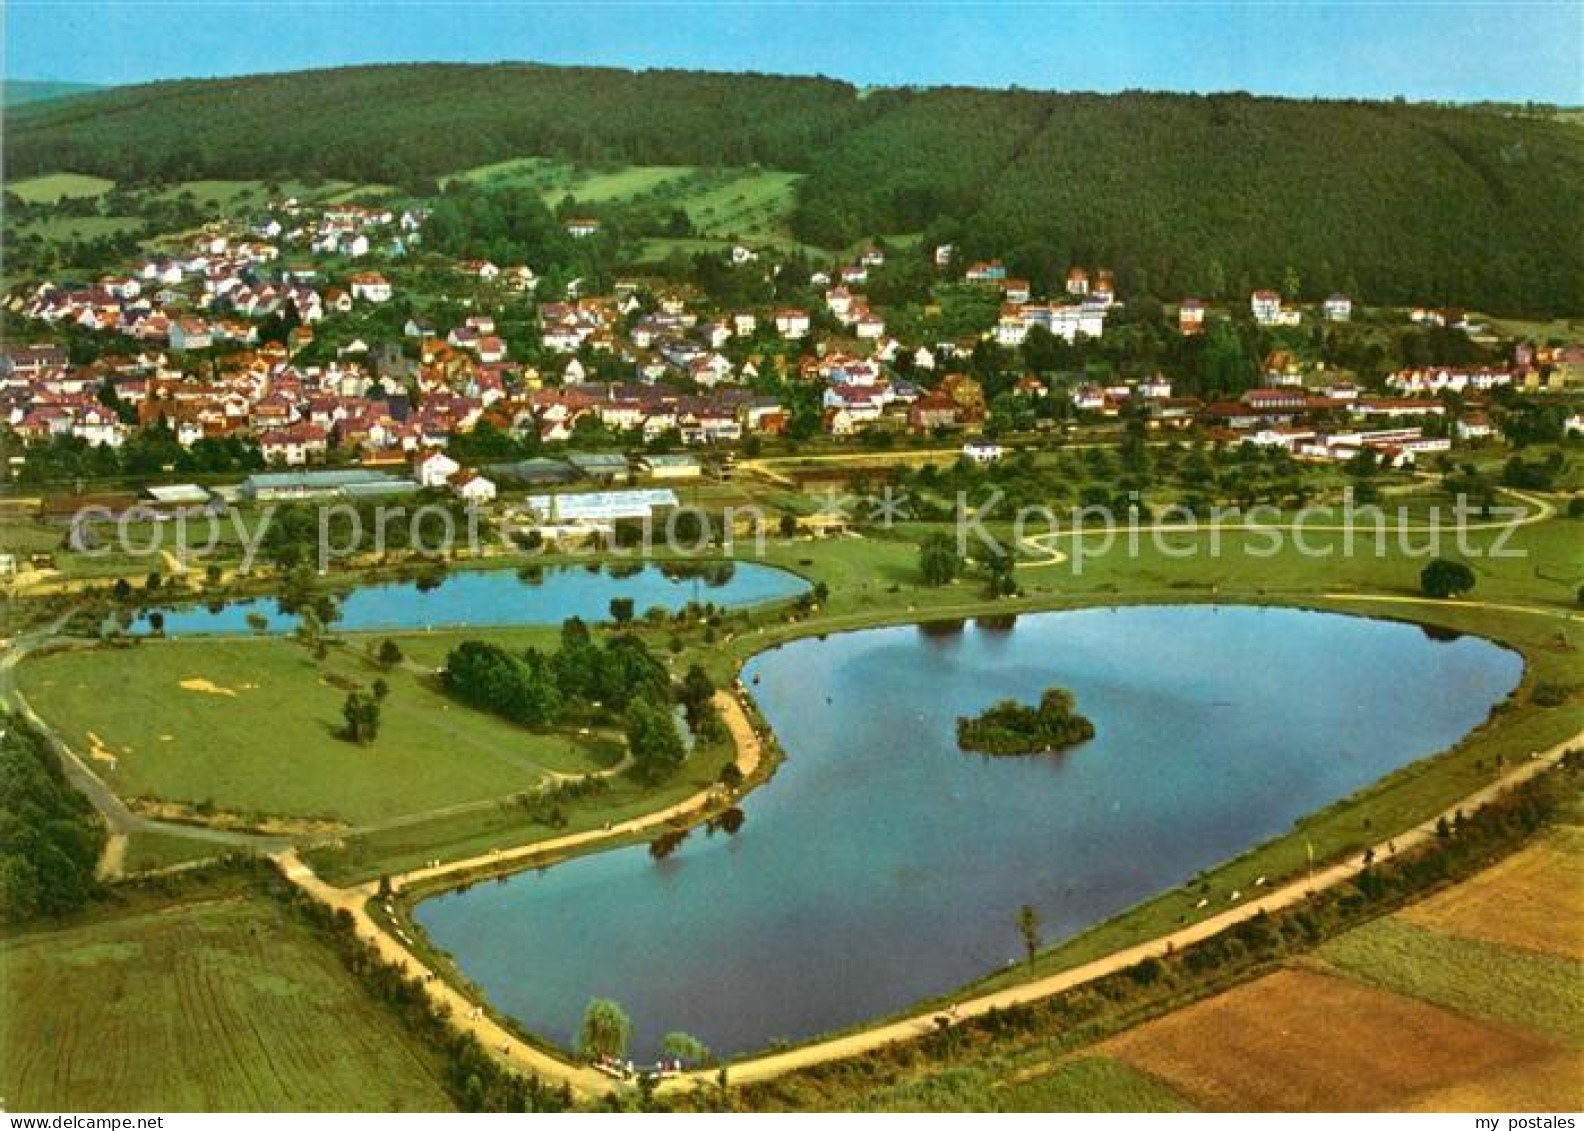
column 530, row 587
column 272, row 345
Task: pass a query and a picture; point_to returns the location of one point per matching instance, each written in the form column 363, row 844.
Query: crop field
column 52, row 187
column 1532, row 901
column 248, row 727
column 1538, row 992
column 1088, row 1083
column 149, row 851
column 1304, row 1041
column 1467, row 1001
column 225, row 1005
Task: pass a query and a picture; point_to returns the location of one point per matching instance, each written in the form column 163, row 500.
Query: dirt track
column 512, row 1049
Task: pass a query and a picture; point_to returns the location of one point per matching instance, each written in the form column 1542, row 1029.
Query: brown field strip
column 1303, row 1041
column 1555, row 1083
column 1533, row 900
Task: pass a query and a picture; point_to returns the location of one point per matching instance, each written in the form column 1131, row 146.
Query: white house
column 370, row 287
column 792, row 324
column 473, row 488
column 1266, row 306
column 435, row 469
column 1338, row 308
column 190, row 334
column 983, row 451
column 293, row 446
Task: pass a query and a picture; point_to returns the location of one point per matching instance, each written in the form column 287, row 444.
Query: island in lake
column 1011, row 728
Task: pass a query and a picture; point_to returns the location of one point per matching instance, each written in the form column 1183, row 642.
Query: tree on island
column 1028, row 924
column 605, row 1031
column 1444, row 578
column 1011, row 728
column 939, row 562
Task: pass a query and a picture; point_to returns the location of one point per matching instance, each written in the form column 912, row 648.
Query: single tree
column 653, row 740
column 605, row 1031
column 684, row 1047
column 697, row 689
column 361, row 712
column 1028, row 924
column 939, row 562
column 621, row 610
column 1444, row 578
column 389, row 654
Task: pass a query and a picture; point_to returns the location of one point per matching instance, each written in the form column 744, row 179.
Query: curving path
column 523, row 1055
column 463, row 1012
column 120, row 820
column 1540, row 509
column 912, row 1028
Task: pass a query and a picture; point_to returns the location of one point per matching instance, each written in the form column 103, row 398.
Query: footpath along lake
column 882, row 865
column 464, row 598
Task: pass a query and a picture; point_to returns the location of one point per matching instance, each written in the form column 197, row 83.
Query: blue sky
column 1439, row 49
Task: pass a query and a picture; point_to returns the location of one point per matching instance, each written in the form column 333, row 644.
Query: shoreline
column 527, row 1051
column 918, row 1020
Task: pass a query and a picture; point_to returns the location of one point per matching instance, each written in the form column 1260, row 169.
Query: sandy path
column 749, row 753
column 911, row 1028
column 584, row 1080
column 509, row 1048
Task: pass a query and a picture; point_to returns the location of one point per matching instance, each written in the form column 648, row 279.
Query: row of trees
column 50, row 837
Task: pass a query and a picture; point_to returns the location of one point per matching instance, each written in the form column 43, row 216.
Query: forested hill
column 1181, row 194
column 16, row 92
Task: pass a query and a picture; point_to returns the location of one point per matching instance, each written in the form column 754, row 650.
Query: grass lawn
column 148, row 851
column 1539, row 992
column 226, row 1005
column 52, row 187
column 1089, row 1083
column 626, row 183
column 477, row 831
column 60, row 229
column 253, row 732
column 724, row 204
column 750, row 205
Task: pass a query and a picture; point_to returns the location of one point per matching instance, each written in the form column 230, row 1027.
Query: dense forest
column 1181, row 194
column 50, row 837
column 386, row 123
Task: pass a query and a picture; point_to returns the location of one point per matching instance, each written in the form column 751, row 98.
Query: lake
column 500, row 597
column 882, row 865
